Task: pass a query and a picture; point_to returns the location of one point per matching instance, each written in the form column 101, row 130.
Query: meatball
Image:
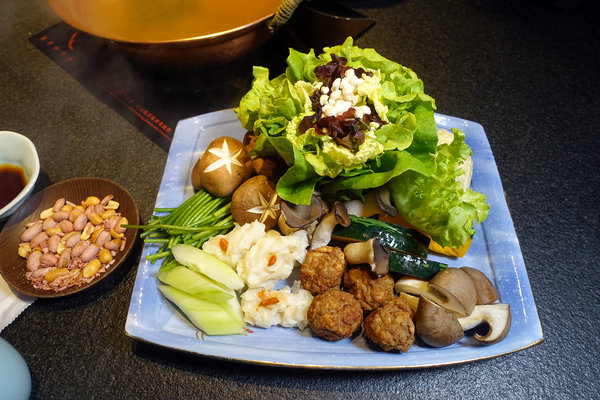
column 334, row 315
column 391, row 326
column 322, row 269
column 370, row 290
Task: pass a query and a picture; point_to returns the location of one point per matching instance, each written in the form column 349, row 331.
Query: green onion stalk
column 196, row 220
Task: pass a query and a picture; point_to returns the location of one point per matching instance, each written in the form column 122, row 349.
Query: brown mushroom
column 223, row 167
column 436, row 326
column 439, row 327
column 324, row 229
column 486, row 292
column 341, row 214
column 450, row 288
column 256, row 199
column 455, row 289
column 302, row 215
column 384, row 201
column 369, row 252
column 498, row 318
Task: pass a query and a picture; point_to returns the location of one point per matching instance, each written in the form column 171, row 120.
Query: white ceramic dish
column 495, row 251
column 16, row 149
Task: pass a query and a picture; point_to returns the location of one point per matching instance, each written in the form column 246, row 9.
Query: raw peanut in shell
column 223, row 167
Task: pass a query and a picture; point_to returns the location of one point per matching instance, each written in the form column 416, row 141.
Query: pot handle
column 284, row 12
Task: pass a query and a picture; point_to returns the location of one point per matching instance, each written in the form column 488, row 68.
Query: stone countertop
column 525, row 70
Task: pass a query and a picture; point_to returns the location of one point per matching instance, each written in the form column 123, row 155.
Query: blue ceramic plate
column 495, row 251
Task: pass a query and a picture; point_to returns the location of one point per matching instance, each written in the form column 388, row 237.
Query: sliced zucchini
column 408, row 264
column 390, row 235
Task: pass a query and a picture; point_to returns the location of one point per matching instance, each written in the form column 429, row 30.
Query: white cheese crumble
column 345, row 93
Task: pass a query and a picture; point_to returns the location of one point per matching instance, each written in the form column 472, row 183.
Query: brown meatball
column 322, row 269
column 334, row 315
column 370, row 290
column 391, row 326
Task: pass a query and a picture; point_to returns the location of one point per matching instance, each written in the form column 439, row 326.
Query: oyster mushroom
column 223, row 167
column 302, row 215
column 374, row 203
column 256, row 199
column 322, row 234
column 370, row 252
column 384, row 201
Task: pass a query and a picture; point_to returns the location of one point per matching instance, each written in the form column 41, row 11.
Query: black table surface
column 527, row 71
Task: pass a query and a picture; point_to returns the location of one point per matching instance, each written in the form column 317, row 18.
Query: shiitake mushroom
column 223, row 167
column 256, row 199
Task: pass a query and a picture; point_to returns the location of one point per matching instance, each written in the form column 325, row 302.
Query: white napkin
column 11, row 303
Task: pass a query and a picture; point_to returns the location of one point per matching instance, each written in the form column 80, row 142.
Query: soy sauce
column 12, row 181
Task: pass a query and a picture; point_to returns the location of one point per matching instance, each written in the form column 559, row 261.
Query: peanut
column 115, row 235
column 79, row 222
column 55, row 273
column 58, row 204
column 108, row 213
column 31, row 232
column 60, row 215
column 119, row 228
column 89, row 253
column 112, row 205
column 94, row 236
column 67, row 207
column 47, row 213
column 48, row 260
column 105, row 256
column 24, row 250
column 91, row 268
column 91, row 201
column 87, row 231
column 95, row 219
column 55, row 230
column 102, row 238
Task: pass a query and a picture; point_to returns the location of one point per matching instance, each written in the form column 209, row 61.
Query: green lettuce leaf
column 435, row 202
column 420, row 175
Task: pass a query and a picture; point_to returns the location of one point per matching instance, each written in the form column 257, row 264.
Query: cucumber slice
column 211, row 318
column 390, row 235
column 196, row 284
column 207, row 264
column 407, row 264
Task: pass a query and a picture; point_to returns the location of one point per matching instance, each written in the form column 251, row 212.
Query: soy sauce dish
column 19, row 170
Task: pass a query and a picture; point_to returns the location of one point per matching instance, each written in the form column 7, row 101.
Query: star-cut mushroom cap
column 256, row 199
column 223, row 167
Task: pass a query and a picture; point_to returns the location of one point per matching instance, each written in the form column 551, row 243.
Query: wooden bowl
column 142, row 36
column 13, row 266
